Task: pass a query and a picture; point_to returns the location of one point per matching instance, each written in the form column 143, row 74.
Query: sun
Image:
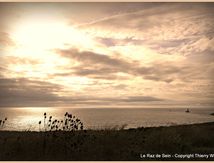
column 45, row 35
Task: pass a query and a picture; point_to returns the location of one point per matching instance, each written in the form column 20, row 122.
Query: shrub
column 2, row 123
column 69, row 123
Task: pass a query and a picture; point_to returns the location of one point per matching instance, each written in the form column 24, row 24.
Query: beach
column 179, row 143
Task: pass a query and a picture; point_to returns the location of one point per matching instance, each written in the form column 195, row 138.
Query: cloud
column 141, row 99
column 5, row 40
column 158, row 16
column 99, row 73
column 108, row 42
column 94, row 65
column 182, row 28
column 17, row 60
column 106, row 101
column 138, row 52
column 89, row 57
column 100, row 66
column 24, row 92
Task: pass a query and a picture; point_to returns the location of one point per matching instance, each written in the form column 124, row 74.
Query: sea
column 27, row 118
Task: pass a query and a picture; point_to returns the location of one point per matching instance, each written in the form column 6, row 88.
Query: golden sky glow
column 106, row 54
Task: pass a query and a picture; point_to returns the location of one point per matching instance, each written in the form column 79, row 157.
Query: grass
column 107, row 145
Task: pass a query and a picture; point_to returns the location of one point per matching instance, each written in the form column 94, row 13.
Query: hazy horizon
column 107, row 54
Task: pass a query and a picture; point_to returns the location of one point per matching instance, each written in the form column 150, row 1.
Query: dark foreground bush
column 69, row 123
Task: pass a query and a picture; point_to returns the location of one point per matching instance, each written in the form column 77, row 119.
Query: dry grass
column 106, row 144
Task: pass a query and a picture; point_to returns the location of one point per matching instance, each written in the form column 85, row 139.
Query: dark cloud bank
column 101, row 66
column 25, row 92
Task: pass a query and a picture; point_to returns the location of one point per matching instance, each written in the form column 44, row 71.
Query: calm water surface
column 28, row 118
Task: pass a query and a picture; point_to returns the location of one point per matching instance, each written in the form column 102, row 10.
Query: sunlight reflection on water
column 27, row 118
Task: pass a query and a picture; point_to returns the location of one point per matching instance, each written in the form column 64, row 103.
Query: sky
column 107, row 54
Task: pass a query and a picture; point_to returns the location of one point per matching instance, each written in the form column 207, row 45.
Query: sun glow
column 37, row 40
column 47, row 35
